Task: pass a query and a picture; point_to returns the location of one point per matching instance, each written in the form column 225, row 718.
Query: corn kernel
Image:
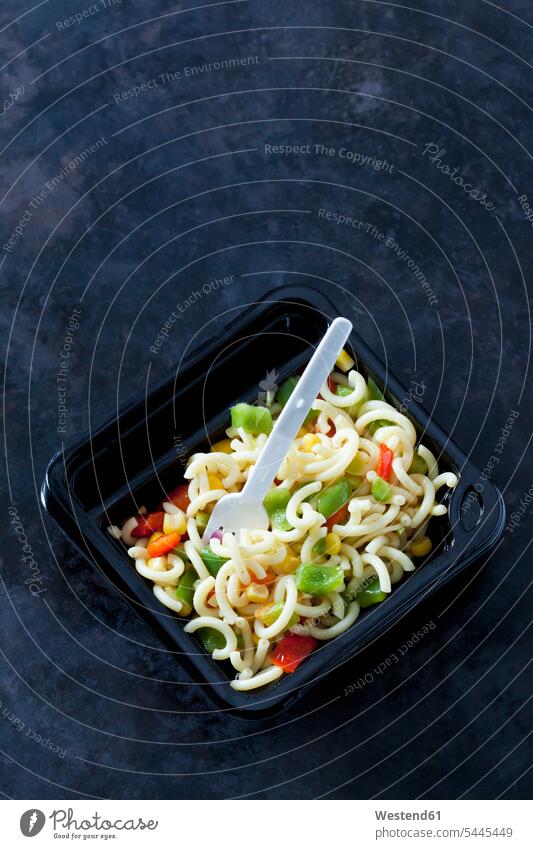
column 287, row 566
column 174, row 522
column 155, row 536
column 224, row 445
column 309, row 440
column 344, row 361
column 333, row 543
column 214, row 482
column 255, row 638
column 421, row 546
column 256, row 592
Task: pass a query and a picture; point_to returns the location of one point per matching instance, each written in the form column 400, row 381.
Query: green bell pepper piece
column 319, row 580
column 285, row 391
column 180, row 552
column 211, row 639
column 418, row 465
column 212, row 561
column 269, row 616
column 275, row 503
column 374, row 426
column 354, row 481
column 369, row 592
column 252, row 419
column 333, row 497
column 381, row 490
column 374, row 392
column 347, row 390
column 185, row 590
column 319, row 547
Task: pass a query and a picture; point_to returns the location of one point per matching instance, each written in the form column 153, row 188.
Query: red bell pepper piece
column 291, row 650
column 331, row 431
column 384, row 466
column 338, row 518
column 162, row 545
column 332, row 386
column 148, row 524
column 180, row 496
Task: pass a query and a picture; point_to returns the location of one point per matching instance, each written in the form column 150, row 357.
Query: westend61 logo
column 66, row 825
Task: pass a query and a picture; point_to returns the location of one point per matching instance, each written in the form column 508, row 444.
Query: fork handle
column 293, row 414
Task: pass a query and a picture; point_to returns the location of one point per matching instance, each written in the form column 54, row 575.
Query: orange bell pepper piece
column 162, row 545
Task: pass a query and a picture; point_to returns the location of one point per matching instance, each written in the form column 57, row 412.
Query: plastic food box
column 133, row 459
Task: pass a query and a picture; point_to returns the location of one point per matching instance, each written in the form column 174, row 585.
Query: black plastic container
column 133, row 459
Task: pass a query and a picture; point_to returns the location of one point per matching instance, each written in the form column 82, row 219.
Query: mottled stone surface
column 128, row 201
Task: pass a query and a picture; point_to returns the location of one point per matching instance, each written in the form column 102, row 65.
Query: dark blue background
column 181, row 191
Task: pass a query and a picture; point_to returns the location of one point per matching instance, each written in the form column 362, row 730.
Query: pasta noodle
column 349, row 512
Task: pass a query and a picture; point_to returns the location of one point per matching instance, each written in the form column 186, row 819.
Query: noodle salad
column 348, row 511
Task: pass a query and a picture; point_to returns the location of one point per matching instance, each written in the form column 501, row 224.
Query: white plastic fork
column 244, row 510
